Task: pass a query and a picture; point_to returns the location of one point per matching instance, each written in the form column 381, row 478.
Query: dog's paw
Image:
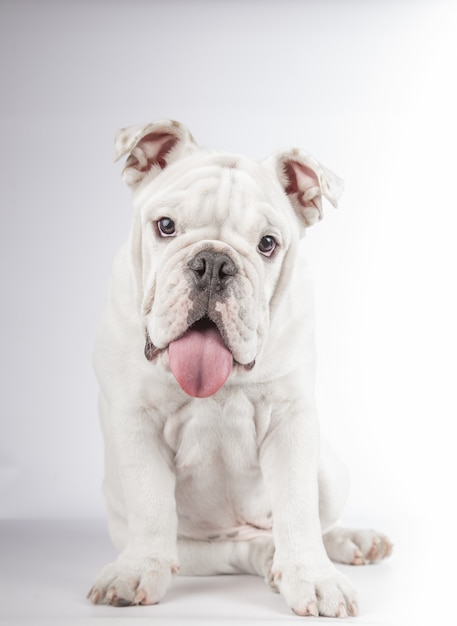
column 129, row 581
column 329, row 594
column 356, row 547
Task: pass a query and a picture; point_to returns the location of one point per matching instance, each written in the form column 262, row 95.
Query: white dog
column 206, row 362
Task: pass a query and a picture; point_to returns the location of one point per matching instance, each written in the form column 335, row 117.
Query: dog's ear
column 305, row 181
column 151, row 148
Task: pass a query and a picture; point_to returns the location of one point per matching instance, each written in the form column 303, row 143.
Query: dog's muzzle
column 200, row 359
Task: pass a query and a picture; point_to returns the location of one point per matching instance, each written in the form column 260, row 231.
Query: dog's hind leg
column 356, row 546
column 344, row 545
column 205, row 558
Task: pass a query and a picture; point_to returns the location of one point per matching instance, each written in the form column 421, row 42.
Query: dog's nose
column 212, row 270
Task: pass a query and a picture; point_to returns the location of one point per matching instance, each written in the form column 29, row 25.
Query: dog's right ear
column 151, row 148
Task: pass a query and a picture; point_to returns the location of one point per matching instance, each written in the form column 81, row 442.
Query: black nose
column 212, row 270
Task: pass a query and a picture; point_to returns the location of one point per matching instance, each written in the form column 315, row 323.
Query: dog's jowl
column 205, row 359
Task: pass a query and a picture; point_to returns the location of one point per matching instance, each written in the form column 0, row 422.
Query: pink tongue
column 200, row 362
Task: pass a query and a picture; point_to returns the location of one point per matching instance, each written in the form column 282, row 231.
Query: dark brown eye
column 267, row 245
column 167, row 227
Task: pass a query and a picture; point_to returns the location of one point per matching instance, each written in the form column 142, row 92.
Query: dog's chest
column 219, row 483
column 208, row 432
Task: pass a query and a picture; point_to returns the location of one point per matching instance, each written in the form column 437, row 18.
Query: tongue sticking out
column 200, row 361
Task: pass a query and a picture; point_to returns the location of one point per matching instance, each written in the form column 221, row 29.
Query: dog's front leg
column 142, row 572
column 301, row 569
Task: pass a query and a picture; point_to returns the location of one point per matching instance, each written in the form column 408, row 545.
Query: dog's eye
column 167, row 227
column 267, row 245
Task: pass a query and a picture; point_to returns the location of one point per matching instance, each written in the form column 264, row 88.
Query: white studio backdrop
column 368, row 87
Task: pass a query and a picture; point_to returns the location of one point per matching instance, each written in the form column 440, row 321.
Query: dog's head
column 212, row 243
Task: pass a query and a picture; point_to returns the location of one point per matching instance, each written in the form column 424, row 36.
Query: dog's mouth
column 199, row 360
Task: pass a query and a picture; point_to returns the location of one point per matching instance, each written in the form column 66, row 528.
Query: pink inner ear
column 301, row 178
column 155, row 147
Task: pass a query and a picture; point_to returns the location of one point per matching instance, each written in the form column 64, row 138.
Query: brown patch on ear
column 303, row 188
column 292, row 187
column 150, row 151
column 166, row 148
column 151, row 148
column 303, row 181
column 306, row 182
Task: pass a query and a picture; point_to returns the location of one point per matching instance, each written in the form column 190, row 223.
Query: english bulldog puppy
column 206, row 362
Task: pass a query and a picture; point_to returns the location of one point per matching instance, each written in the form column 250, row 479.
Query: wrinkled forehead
column 219, row 190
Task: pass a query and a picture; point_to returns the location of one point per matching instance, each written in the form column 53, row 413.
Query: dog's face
column 213, row 240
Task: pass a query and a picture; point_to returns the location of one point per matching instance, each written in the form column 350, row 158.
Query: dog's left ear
column 151, row 148
column 305, row 181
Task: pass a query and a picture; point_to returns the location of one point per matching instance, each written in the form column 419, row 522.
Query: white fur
column 236, row 482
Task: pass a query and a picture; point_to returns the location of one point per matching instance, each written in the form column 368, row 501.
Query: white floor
column 46, row 569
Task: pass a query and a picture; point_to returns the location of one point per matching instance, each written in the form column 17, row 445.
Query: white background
column 369, row 88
